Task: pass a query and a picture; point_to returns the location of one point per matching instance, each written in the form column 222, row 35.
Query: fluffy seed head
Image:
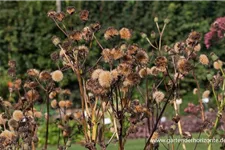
column 124, row 69
column 197, row 48
column 217, row 64
column 37, row 114
column 54, row 104
column 114, row 74
column 203, row 59
column 33, row 72
column 18, row 115
column 158, row 96
column 68, row 104
column 183, row 66
column 2, row 119
column 110, row 32
column 195, row 90
column 95, row 74
column 7, row 134
column 57, row 75
column 205, row 94
column 32, row 95
column 105, row 79
column 125, row 33
column 62, row 104
column 142, row 57
column 107, row 56
column 161, row 63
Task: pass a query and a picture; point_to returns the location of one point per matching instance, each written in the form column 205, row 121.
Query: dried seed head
column 195, row 36
column 205, row 94
column 197, row 48
column 195, row 90
column 125, row 33
column 107, row 56
column 7, row 134
column 70, row 10
column 37, row 114
column 110, row 32
column 124, row 69
column 83, row 51
column 95, row 26
column 18, row 115
column 158, row 96
column 161, row 63
column 203, row 59
column 52, row 94
column 183, row 66
column 57, row 75
column 7, row 104
column 32, row 95
column 51, row 13
column 117, row 53
column 87, row 33
column 44, row 76
column 33, row 72
column 95, row 74
column 68, row 104
column 12, row 72
column 62, row 104
column 60, row 16
column 13, row 123
column 2, row 119
column 84, row 14
column 105, row 79
column 12, row 63
column 114, row 74
column 142, row 57
column 153, row 71
column 218, row 64
column 54, row 55
column 54, row 104
column 56, row 40
column 155, row 136
column 76, row 35
column 131, row 80
column 179, row 47
column 132, row 49
column 144, row 72
column 95, row 88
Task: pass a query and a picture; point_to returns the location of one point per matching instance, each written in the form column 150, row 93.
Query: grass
column 138, row 144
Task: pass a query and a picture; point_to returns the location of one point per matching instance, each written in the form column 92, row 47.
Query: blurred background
column 26, row 31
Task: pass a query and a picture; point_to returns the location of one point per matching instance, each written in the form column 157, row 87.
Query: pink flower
column 217, row 31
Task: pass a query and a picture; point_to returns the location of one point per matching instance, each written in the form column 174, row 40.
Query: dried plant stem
column 47, row 122
column 158, row 119
column 179, row 123
column 151, row 43
column 161, row 35
column 199, row 97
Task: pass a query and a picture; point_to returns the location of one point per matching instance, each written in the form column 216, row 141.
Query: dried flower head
column 87, row 33
column 57, row 75
column 131, row 80
column 51, row 13
column 158, row 96
column 13, row 123
column 203, row 59
column 68, row 104
column 52, row 94
column 12, row 63
column 161, row 63
column 183, row 66
column 95, row 26
column 83, row 51
column 144, row 72
column 197, row 47
column 62, row 104
column 95, row 88
column 205, row 94
column 132, row 49
column 107, row 56
column 153, row 71
column 84, row 14
column 142, row 57
column 33, row 72
column 117, row 53
column 105, row 79
column 44, row 76
column 179, row 47
column 32, row 95
column 195, row 36
column 95, row 74
column 110, row 32
column 2, row 119
column 218, row 64
column 124, row 69
column 18, row 115
column 154, row 138
column 60, row 16
column 7, row 134
column 125, row 33
column 54, row 104
column 37, row 114
column 114, row 74
column 70, row 10
column 195, row 90
column 76, row 35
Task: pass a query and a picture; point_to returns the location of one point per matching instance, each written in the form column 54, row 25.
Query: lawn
column 138, row 144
